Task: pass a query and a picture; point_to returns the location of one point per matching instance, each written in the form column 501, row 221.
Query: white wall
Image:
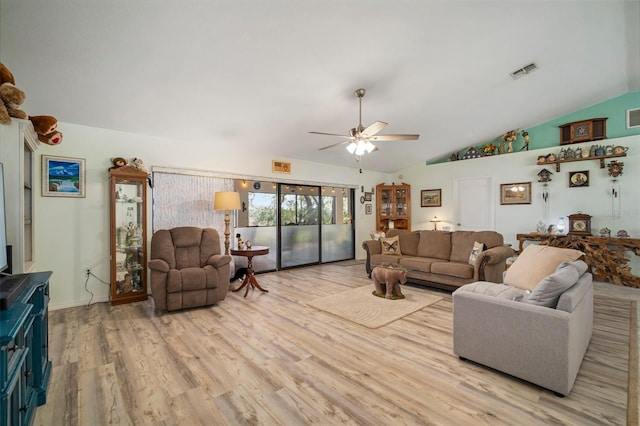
column 72, row 234
column 510, row 220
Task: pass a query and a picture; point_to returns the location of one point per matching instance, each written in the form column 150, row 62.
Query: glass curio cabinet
column 128, row 235
column 393, row 206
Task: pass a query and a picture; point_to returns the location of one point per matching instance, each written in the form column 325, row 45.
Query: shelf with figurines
column 596, row 152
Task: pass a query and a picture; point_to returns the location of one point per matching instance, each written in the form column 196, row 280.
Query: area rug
column 360, row 306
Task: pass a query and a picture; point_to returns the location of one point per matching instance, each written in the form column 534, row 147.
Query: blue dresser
column 24, row 352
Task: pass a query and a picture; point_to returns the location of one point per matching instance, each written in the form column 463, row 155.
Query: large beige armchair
column 187, row 268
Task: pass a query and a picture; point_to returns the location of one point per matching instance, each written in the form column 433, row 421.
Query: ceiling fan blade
column 330, row 134
column 394, row 137
column 374, row 128
column 335, row 144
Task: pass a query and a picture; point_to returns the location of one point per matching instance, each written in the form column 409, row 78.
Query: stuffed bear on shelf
column 45, row 127
column 11, row 97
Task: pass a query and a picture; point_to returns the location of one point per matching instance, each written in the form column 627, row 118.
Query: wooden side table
column 250, row 279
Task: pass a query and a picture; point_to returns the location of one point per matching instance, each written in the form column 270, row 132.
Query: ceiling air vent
column 524, row 71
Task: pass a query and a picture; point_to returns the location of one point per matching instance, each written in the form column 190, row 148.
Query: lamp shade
column 226, row 200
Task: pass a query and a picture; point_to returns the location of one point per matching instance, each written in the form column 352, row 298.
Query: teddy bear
column 11, row 97
column 45, row 127
column 117, row 163
column 387, row 282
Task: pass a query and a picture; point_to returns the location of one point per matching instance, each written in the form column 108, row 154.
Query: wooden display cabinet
column 128, row 235
column 393, row 207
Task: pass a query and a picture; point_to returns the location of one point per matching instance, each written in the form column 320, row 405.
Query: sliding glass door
column 299, row 225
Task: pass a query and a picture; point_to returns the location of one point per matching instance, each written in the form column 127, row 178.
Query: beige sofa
column 441, row 259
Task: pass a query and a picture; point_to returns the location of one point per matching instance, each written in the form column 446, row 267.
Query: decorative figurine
column 605, row 232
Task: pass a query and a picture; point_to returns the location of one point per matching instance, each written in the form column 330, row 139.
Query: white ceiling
column 265, row 73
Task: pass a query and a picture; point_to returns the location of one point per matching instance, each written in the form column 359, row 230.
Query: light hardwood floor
column 270, row 359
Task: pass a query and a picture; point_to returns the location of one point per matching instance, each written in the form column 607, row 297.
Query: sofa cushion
column 453, row 269
column 385, row 259
column 462, row 242
column 536, row 262
column 500, row 291
column 409, row 242
column 422, row 264
column 550, row 288
column 391, row 245
column 475, row 251
column 435, row 244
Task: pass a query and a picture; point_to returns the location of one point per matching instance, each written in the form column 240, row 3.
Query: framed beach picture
column 63, row 176
column 515, row 193
column 431, row 198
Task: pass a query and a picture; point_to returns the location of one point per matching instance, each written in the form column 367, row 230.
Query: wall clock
column 579, row 224
column 583, row 131
column 257, row 185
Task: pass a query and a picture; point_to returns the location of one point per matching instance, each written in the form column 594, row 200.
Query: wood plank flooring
column 270, row 359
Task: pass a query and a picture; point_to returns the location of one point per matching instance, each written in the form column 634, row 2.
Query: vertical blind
column 185, row 198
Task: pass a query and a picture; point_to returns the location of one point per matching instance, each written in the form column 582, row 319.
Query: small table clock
column 579, row 224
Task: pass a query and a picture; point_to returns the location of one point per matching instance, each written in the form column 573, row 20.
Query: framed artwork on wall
column 63, row 176
column 577, row 179
column 367, row 208
column 515, row 193
column 368, row 196
column 431, row 198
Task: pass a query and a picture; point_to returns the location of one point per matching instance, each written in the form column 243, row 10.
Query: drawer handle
column 28, row 373
column 13, row 348
column 24, row 407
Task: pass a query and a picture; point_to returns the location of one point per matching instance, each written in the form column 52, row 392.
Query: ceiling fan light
column 352, row 147
column 369, row 147
column 361, row 148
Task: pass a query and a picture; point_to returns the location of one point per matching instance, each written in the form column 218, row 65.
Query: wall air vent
column 524, row 71
column 633, row 118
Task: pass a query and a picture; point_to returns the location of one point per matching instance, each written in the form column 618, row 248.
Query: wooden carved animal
column 387, row 282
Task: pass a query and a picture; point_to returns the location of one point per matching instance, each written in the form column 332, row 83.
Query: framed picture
column 431, row 198
column 368, row 196
column 63, row 177
column 578, row 179
column 515, row 193
column 367, row 208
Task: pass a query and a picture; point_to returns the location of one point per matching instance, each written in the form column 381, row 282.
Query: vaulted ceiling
column 265, row 73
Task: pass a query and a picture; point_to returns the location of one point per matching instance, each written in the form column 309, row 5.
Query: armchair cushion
column 550, row 288
column 536, row 262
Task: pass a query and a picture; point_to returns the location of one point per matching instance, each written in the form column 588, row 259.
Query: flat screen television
column 4, row 261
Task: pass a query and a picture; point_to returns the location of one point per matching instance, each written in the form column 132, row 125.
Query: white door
column 475, row 204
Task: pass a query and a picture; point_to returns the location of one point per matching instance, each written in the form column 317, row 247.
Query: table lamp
column 435, row 221
column 226, row 200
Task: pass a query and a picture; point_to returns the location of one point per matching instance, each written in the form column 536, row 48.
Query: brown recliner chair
column 187, row 268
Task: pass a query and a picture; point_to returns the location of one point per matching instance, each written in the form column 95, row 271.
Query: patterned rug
column 360, row 306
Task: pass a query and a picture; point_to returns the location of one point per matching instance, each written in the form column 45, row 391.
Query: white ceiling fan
column 360, row 139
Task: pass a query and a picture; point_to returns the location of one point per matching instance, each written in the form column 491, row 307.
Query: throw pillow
column 549, row 289
column 536, row 262
column 390, row 245
column 475, row 251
